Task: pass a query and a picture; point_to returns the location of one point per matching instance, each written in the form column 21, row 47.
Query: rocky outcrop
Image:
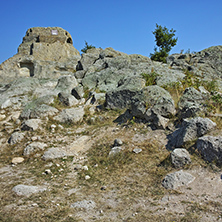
column 43, row 53
column 206, row 63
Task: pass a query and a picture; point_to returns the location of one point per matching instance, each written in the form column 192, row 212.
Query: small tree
column 165, row 42
column 87, row 46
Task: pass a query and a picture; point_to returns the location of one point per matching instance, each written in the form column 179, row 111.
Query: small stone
column 53, row 126
column 85, row 168
column 48, row 171
column 60, row 126
column 16, row 160
column 137, row 150
column 2, row 116
column 118, row 142
column 103, row 188
column 87, row 177
column 78, row 167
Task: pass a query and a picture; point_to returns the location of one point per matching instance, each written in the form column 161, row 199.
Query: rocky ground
column 107, row 136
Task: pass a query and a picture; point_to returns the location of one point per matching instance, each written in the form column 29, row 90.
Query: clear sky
column 125, row 25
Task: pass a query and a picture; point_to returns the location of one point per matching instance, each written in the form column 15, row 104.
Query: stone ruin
column 43, row 53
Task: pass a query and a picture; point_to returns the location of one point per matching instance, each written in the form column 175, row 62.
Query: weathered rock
column 118, row 142
column 66, row 84
column 111, row 53
column 88, row 59
column 191, row 102
column 34, row 147
column 121, row 97
column 189, row 131
column 206, row 63
column 177, row 179
column 71, row 115
column 44, row 52
column 115, row 150
column 153, row 99
column 78, row 92
column 53, row 153
column 180, row 157
column 210, row 148
column 16, row 137
column 37, row 109
column 25, row 190
column 67, row 99
column 31, row 125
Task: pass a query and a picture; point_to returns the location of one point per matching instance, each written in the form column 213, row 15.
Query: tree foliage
column 165, row 40
column 87, row 46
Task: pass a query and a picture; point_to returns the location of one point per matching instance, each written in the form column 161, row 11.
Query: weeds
column 150, row 78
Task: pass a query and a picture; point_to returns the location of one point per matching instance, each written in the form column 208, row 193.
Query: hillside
column 107, row 136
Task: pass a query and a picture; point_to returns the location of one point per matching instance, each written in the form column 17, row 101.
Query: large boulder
column 121, row 97
column 153, row 99
column 210, row 148
column 189, row 131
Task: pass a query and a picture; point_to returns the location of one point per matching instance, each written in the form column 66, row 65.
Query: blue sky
column 125, row 25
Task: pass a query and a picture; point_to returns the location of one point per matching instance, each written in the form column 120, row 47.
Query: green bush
column 87, row 46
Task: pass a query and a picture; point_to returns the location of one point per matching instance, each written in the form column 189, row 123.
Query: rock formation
column 43, row 53
column 62, row 111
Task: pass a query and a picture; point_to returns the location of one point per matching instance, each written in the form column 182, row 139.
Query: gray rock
column 25, row 190
column 210, row 148
column 177, row 179
column 189, row 131
column 180, row 157
column 87, row 59
column 206, row 63
column 153, row 99
column 78, row 92
column 34, row 147
column 67, row 99
column 118, row 142
column 115, row 150
column 31, row 125
column 110, row 53
column 66, row 84
column 120, row 98
column 191, row 102
column 53, row 153
column 38, row 111
column 85, row 204
column 71, row 115
column 16, row 137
